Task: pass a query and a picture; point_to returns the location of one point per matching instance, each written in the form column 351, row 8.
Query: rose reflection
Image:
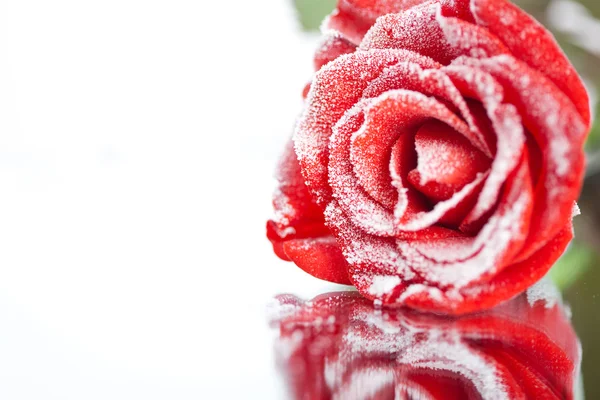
column 338, row 346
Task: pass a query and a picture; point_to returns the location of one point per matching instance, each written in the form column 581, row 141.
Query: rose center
column 446, row 162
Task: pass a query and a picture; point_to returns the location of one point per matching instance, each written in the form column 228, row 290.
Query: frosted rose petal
column 528, row 40
column 353, row 18
column 331, row 47
column 296, row 215
column 416, row 30
column 446, row 158
column 365, row 252
column 558, row 129
column 453, row 263
column 398, row 107
column 320, row 257
column 507, row 125
column 402, row 161
column 469, row 39
column 431, row 82
column 356, row 203
column 336, row 88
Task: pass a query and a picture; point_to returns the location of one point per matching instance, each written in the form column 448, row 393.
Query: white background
column 137, row 145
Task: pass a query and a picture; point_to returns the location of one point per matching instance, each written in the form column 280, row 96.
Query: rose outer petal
column 296, row 215
column 297, row 232
column 331, row 47
column 356, row 203
column 320, row 257
column 510, row 282
column 353, row 18
column 528, row 40
column 415, row 29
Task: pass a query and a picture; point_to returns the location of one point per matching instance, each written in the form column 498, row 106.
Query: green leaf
column 572, row 265
column 311, row 12
column 593, row 140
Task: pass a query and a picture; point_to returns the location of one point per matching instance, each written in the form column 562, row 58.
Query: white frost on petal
column 576, row 210
column 361, row 209
column 509, row 131
column 433, row 292
column 383, row 285
column 493, row 241
column 459, row 38
column 426, row 219
column 284, row 211
column 544, row 291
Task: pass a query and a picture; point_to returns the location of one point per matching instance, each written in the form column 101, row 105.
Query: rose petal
column 305, row 90
column 331, row 47
column 412, row 202
column 366, row 254
column 455, row 217
column 356, row 203
column 403, row 159
column 371, row 153
column 296, row 215
column 519, row 276
column 528, row 40
column 432, row 233
column 468, row 39
column 460, row 262
column 354, row 17
column 431, row 82
column 508, row 283
column 320, row 257
column 336, row 88
column 507, row 125
column 558, row 129
column 417, row 29
column 445, row 158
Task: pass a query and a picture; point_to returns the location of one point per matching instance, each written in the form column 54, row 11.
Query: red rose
column 339, row 347
column 437, row 164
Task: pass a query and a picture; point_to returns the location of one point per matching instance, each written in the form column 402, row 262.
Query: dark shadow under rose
column 439, row 155
column 338, row 346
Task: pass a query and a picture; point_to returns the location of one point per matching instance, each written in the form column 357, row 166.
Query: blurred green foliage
column 312, row 12
column 572, row 265
column 593, row 141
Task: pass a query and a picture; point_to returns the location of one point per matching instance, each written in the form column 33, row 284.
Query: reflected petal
column 339, row 346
